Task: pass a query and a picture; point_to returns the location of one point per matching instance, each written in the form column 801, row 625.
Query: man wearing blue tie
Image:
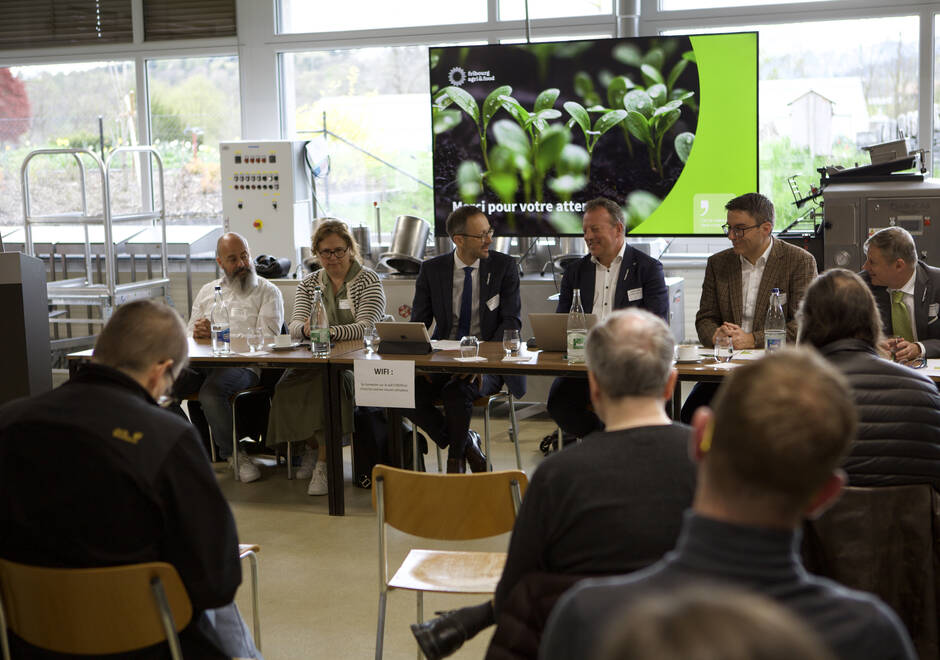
column 470, row 291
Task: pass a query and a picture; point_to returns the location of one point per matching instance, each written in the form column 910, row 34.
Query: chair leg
column 486, row 435
column 234, row 444
column 255, row 598
column 4, row 642
column 420, row 616
column 380, row 632
column 166, row 618
column 290, row 462
column 515, row 430
column 414, row 447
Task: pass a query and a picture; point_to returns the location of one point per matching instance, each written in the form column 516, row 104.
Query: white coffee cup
column 687, row 352
column 282, row 341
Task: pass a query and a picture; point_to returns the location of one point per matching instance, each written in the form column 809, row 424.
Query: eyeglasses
column 338, row 253
column 738, row 232
column 487, row 234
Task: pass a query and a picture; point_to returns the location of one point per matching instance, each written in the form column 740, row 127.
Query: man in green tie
column 907, row 292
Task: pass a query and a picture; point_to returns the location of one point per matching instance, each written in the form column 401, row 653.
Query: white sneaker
column 247, row 470
column 305, row 471
column 318, row 485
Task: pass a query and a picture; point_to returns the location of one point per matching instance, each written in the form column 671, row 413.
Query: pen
column 488, row 280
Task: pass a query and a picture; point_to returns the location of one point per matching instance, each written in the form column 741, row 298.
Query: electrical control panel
column 266, row 195
column 855, row 211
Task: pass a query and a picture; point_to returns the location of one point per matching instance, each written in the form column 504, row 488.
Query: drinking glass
column 370, row 337
column 510, row 341
column 469, row 347
column 255, row 338
column 724, row 349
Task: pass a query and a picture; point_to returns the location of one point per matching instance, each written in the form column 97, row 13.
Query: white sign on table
column 385, row 383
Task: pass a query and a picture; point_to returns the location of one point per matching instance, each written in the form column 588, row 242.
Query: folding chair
column 93, row 611
column 423, row 504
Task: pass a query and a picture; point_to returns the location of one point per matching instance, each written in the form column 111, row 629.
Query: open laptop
column 551, row 330
column 396, row 331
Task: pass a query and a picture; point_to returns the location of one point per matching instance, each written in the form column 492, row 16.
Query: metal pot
column 502, row 244
column 409, row 240
column 363, row 238
column 569, row 249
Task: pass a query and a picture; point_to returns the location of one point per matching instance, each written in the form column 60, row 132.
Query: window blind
column 51, row 23
column 188, row 19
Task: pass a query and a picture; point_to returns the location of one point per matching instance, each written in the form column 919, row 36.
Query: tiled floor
column 319, row 573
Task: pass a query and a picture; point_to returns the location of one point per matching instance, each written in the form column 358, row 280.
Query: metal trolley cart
column 97, row 295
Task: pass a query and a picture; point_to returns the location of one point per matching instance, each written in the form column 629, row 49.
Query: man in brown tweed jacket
column 738, row 281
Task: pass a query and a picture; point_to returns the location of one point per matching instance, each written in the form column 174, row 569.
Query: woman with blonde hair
column 353, row 297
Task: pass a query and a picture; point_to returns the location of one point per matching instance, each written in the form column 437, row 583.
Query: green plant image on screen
column 664, row 126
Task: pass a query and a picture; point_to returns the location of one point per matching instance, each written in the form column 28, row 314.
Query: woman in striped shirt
column 353, row 297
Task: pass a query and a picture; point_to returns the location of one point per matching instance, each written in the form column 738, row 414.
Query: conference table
column 343, row 356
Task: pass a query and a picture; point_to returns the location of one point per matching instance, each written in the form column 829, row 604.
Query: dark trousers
column 701, row 395
column 449, row 428
column 568, row 402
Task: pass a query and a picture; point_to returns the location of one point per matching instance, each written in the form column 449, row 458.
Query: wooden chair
column 93, row 611
column 485, row 402
column 423, row 504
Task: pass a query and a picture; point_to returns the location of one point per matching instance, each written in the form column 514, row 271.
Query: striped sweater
column 366, row 296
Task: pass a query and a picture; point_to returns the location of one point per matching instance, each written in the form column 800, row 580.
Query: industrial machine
column 266, row 195
column 858, row 201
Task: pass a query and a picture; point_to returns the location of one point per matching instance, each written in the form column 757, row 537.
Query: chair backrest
column 423, row 504
column 885, row 540
column 90, row 611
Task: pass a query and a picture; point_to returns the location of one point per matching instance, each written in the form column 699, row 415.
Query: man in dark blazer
column 613, row 276
column 893, row 272
column 470, row 291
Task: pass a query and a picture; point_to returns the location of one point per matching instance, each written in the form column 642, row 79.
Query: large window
column 515, row 9
column 194, row 104
column 374, row 107
column 305, row 16
column 823, row 99
column 62, row 105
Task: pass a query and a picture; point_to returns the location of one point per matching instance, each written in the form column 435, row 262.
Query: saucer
column 692, row 361
column 289, row 347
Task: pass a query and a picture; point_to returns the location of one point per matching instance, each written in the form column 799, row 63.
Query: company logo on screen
column 664, row 126
column 457, row 76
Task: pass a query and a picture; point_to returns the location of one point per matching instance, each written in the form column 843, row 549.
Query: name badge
column 345, row 303
column 635, row 294
column 493, row 302
column 933, row 309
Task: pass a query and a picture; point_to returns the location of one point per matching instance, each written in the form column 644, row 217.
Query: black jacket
column 499, row 283
column 93, row 473
column 899, row 418
column 926, row 306
column 640, row 283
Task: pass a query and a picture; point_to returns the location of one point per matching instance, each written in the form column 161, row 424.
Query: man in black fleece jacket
column 768, row 456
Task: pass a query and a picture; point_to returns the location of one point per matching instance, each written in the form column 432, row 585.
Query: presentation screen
column 665, row 126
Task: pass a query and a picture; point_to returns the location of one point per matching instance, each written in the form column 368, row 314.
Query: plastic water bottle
column 775, row 327
column 577, row 330
column 220, row 325
column 319, row 326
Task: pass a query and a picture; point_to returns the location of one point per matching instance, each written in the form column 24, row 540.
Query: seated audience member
column 353, row 297
column 738, row 282
column 898, row 440
column 469, row 291
column 613, row 276
column 614, row 502
column 708, row 624
column 907, row 292
column 95, row 473
column 251, row 299
column 768, row 456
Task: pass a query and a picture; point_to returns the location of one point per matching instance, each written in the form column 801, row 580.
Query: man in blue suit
column 470, row 291
column 613, row 276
